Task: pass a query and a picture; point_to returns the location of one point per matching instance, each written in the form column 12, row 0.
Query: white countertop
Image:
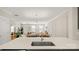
column 25, row 43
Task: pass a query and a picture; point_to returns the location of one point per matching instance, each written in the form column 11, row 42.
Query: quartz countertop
column 25, row 43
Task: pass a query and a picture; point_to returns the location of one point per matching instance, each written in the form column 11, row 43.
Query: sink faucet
column 42, row 39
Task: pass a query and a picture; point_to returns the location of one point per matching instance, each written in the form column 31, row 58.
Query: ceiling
column 34, row 14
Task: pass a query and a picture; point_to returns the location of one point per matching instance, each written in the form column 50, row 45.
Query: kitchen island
column 25, row 43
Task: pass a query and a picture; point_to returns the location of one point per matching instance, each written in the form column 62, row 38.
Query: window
column 33, row 28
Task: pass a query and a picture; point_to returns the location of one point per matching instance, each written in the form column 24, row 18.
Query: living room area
column 39, row 28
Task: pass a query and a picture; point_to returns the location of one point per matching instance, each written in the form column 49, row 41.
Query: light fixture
column 16, row 15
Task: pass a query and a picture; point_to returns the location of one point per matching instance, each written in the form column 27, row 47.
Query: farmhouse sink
column 42, row 44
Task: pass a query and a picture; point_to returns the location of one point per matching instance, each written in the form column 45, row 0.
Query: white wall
column 75, row 24
column 73, row 32
column 65, row 25
column 58, row 27
column 70, row 24
column 4, row 30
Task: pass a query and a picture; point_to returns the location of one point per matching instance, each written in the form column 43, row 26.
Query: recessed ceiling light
column 16, row 15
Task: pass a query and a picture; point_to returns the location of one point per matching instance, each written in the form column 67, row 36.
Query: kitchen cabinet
column 4, row 30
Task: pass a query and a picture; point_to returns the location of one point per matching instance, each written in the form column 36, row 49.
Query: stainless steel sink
column 42, row 44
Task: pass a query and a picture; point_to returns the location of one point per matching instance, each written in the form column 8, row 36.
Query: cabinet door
column 4, row 30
